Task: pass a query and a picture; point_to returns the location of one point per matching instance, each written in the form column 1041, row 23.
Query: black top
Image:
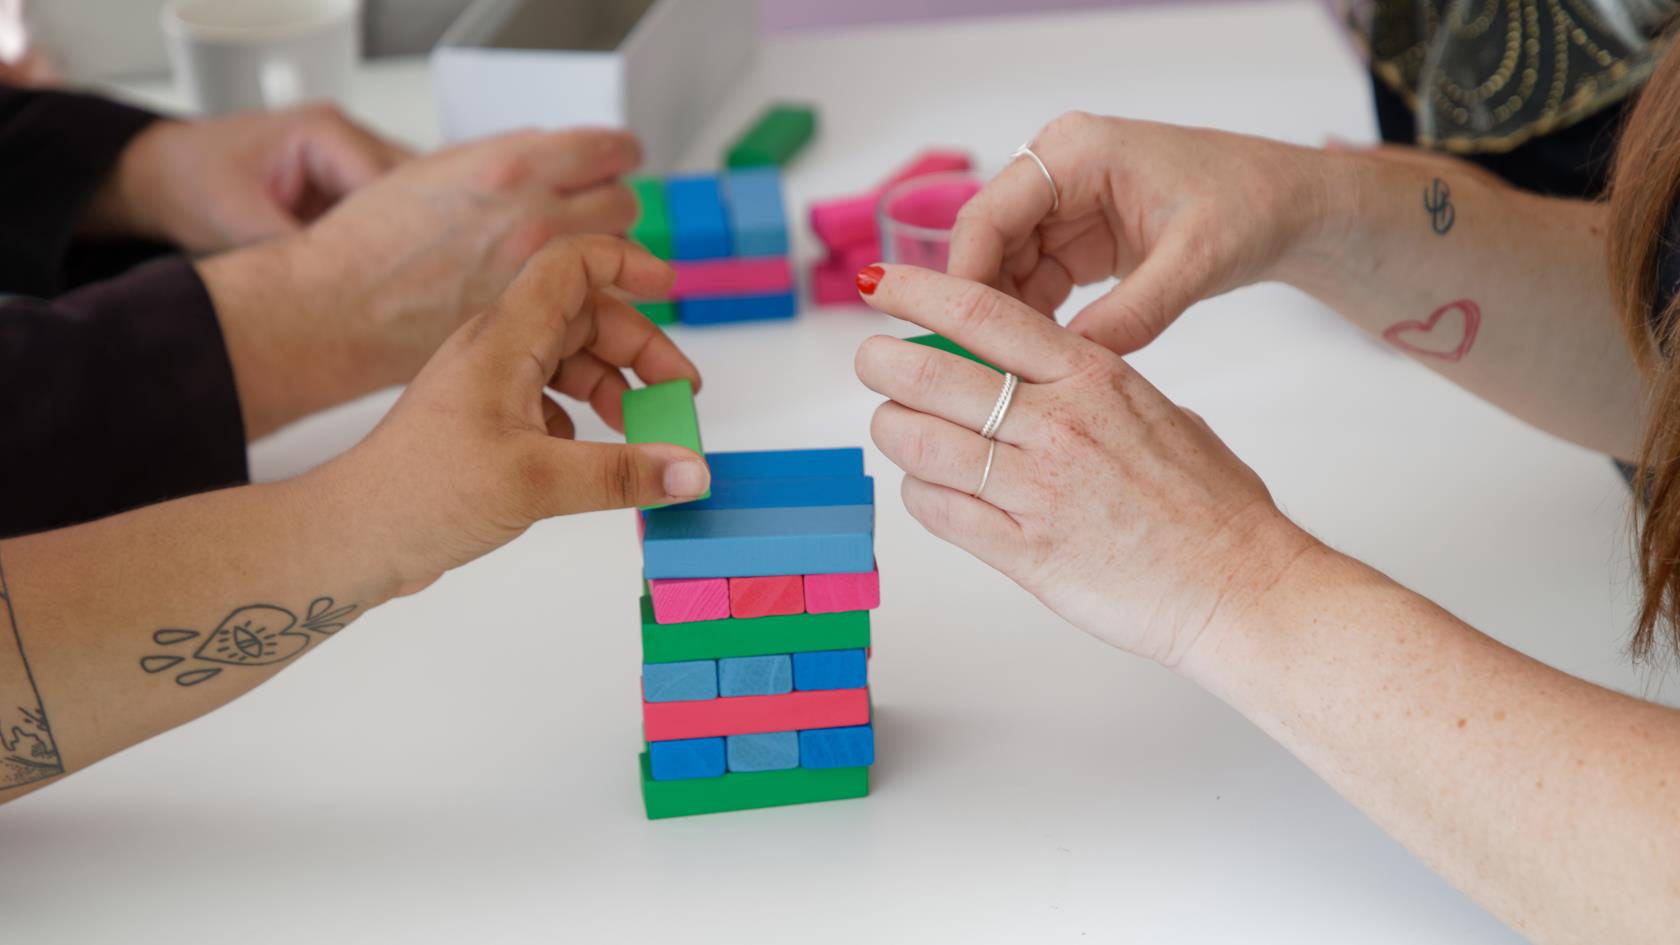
column 115, row 385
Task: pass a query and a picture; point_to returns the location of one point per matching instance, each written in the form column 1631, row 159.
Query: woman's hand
column 1179, row 214
column 361, row 299
column 474, row 452
column 222, row 183
column 1119, row 510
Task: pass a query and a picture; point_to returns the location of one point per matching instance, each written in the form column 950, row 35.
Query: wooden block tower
column 755, row 624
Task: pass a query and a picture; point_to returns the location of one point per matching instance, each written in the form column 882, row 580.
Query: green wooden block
column 748, row 790
column 663, row 413
column 778, row 135
column 660, row 313
column 751, row 636
column 945, row 344
column 652, row 228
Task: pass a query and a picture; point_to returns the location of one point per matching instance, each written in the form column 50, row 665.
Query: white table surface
column 461, row 765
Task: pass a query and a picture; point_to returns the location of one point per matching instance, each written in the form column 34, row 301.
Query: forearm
column 1549, row 800
column 126, row 627
column 1502, row 292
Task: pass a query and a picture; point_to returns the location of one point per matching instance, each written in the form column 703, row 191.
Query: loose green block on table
column 751, row 636
column 945, row 344
column 775, row 138
column 652, row 228
column 663, row 413
column 660, row 313
column 749, row 790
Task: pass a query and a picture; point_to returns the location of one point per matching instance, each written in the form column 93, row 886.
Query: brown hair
column 1644, row 187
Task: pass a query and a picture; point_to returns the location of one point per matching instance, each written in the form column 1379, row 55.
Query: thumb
column 1148, row 299
column 571, row 476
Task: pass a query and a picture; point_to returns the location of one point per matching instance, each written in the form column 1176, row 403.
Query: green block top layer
column 652, row 228
column 750, row 636
column 945, row 344
column 663, row 413
column 779, row 134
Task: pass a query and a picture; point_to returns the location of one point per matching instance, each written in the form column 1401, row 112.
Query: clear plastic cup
column 915, row 217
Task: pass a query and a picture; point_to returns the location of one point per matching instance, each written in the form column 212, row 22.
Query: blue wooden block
column 699, row 223
column 785, row 493
column 757, row 216
column 849, row 747
column 770, row 751
column 680, row 682
column 755, row 675
column 684, row 758
column 830, row 669
column 723, row 309
column 829, row 539
column 786, row 464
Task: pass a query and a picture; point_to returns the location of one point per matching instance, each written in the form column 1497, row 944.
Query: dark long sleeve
column 114, row 396
column 56, row 149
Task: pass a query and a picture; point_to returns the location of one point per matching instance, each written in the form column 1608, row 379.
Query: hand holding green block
column 663, row 413
column 945, row 344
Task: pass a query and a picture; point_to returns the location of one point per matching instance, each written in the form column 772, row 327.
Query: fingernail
column 868, row 278
column 686, row 479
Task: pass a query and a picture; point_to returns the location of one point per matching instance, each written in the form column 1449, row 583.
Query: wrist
column 1328, row 188
column 348, row 531
column 133, row 200
column 279, row 313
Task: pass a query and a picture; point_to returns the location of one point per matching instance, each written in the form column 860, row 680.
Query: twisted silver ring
column 1001, row 408
column 1055, row 195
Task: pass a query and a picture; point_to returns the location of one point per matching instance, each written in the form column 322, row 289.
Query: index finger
column 998, row 219
column 582, row 157
column 1000, row 329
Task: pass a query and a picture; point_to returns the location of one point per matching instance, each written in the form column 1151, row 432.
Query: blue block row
column 757, row 216
column 852, row 746
column 708, row 543
column 722, row 309
column 699, row 223
column 755, row 675
column 830, row 669
column 786, row 492
column 787, row 464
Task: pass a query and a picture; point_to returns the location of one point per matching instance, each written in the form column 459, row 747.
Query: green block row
column 663, row 413
column 751, row 636
column 749, row 790
column 775, row 138
column 943, row 343
column 660, row 313
column 652, row 228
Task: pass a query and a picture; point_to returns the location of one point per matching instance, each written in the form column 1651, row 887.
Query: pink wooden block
column 685, row 600
column 848, row 221
column 760, row 275
column 747, row 715
column 834, row 284
column 766, row 596
column 834, row 593
column 856, row 257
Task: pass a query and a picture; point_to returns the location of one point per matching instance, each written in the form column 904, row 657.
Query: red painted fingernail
column 868, row 278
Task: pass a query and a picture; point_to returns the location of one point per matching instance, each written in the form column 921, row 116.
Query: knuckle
column 976, row 307
column 1070, row 123
column 504, row 173
column 622, row 483
column 927, row 375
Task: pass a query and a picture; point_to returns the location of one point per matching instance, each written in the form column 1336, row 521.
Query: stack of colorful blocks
column 727, row 237
column 755, row 625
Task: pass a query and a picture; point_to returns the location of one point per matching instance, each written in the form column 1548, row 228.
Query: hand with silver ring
column 1121, row 511
column 1179, row 214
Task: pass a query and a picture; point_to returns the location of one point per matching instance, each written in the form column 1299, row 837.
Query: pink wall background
column 812, row 14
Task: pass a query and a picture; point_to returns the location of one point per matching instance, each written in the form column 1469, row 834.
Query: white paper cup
column 238, row 55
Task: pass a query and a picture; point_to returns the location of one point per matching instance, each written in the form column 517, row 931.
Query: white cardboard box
column 657, row 67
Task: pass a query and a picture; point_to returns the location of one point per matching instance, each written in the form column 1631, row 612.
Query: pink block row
column 756, row 275
column 848, row 221
column 684, row 600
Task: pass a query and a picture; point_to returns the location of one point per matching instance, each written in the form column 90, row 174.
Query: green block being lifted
column 663, row 413
column 778, row 135
column 751, row 636
column 652, row 228
column 945, row 344
column 749, row 790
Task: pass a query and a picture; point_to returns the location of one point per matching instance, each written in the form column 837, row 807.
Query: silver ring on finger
column 1000, row 409
column 1055, row 194
column 986, row 474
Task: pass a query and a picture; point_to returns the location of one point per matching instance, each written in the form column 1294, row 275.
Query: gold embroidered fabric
column 1488, row 75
